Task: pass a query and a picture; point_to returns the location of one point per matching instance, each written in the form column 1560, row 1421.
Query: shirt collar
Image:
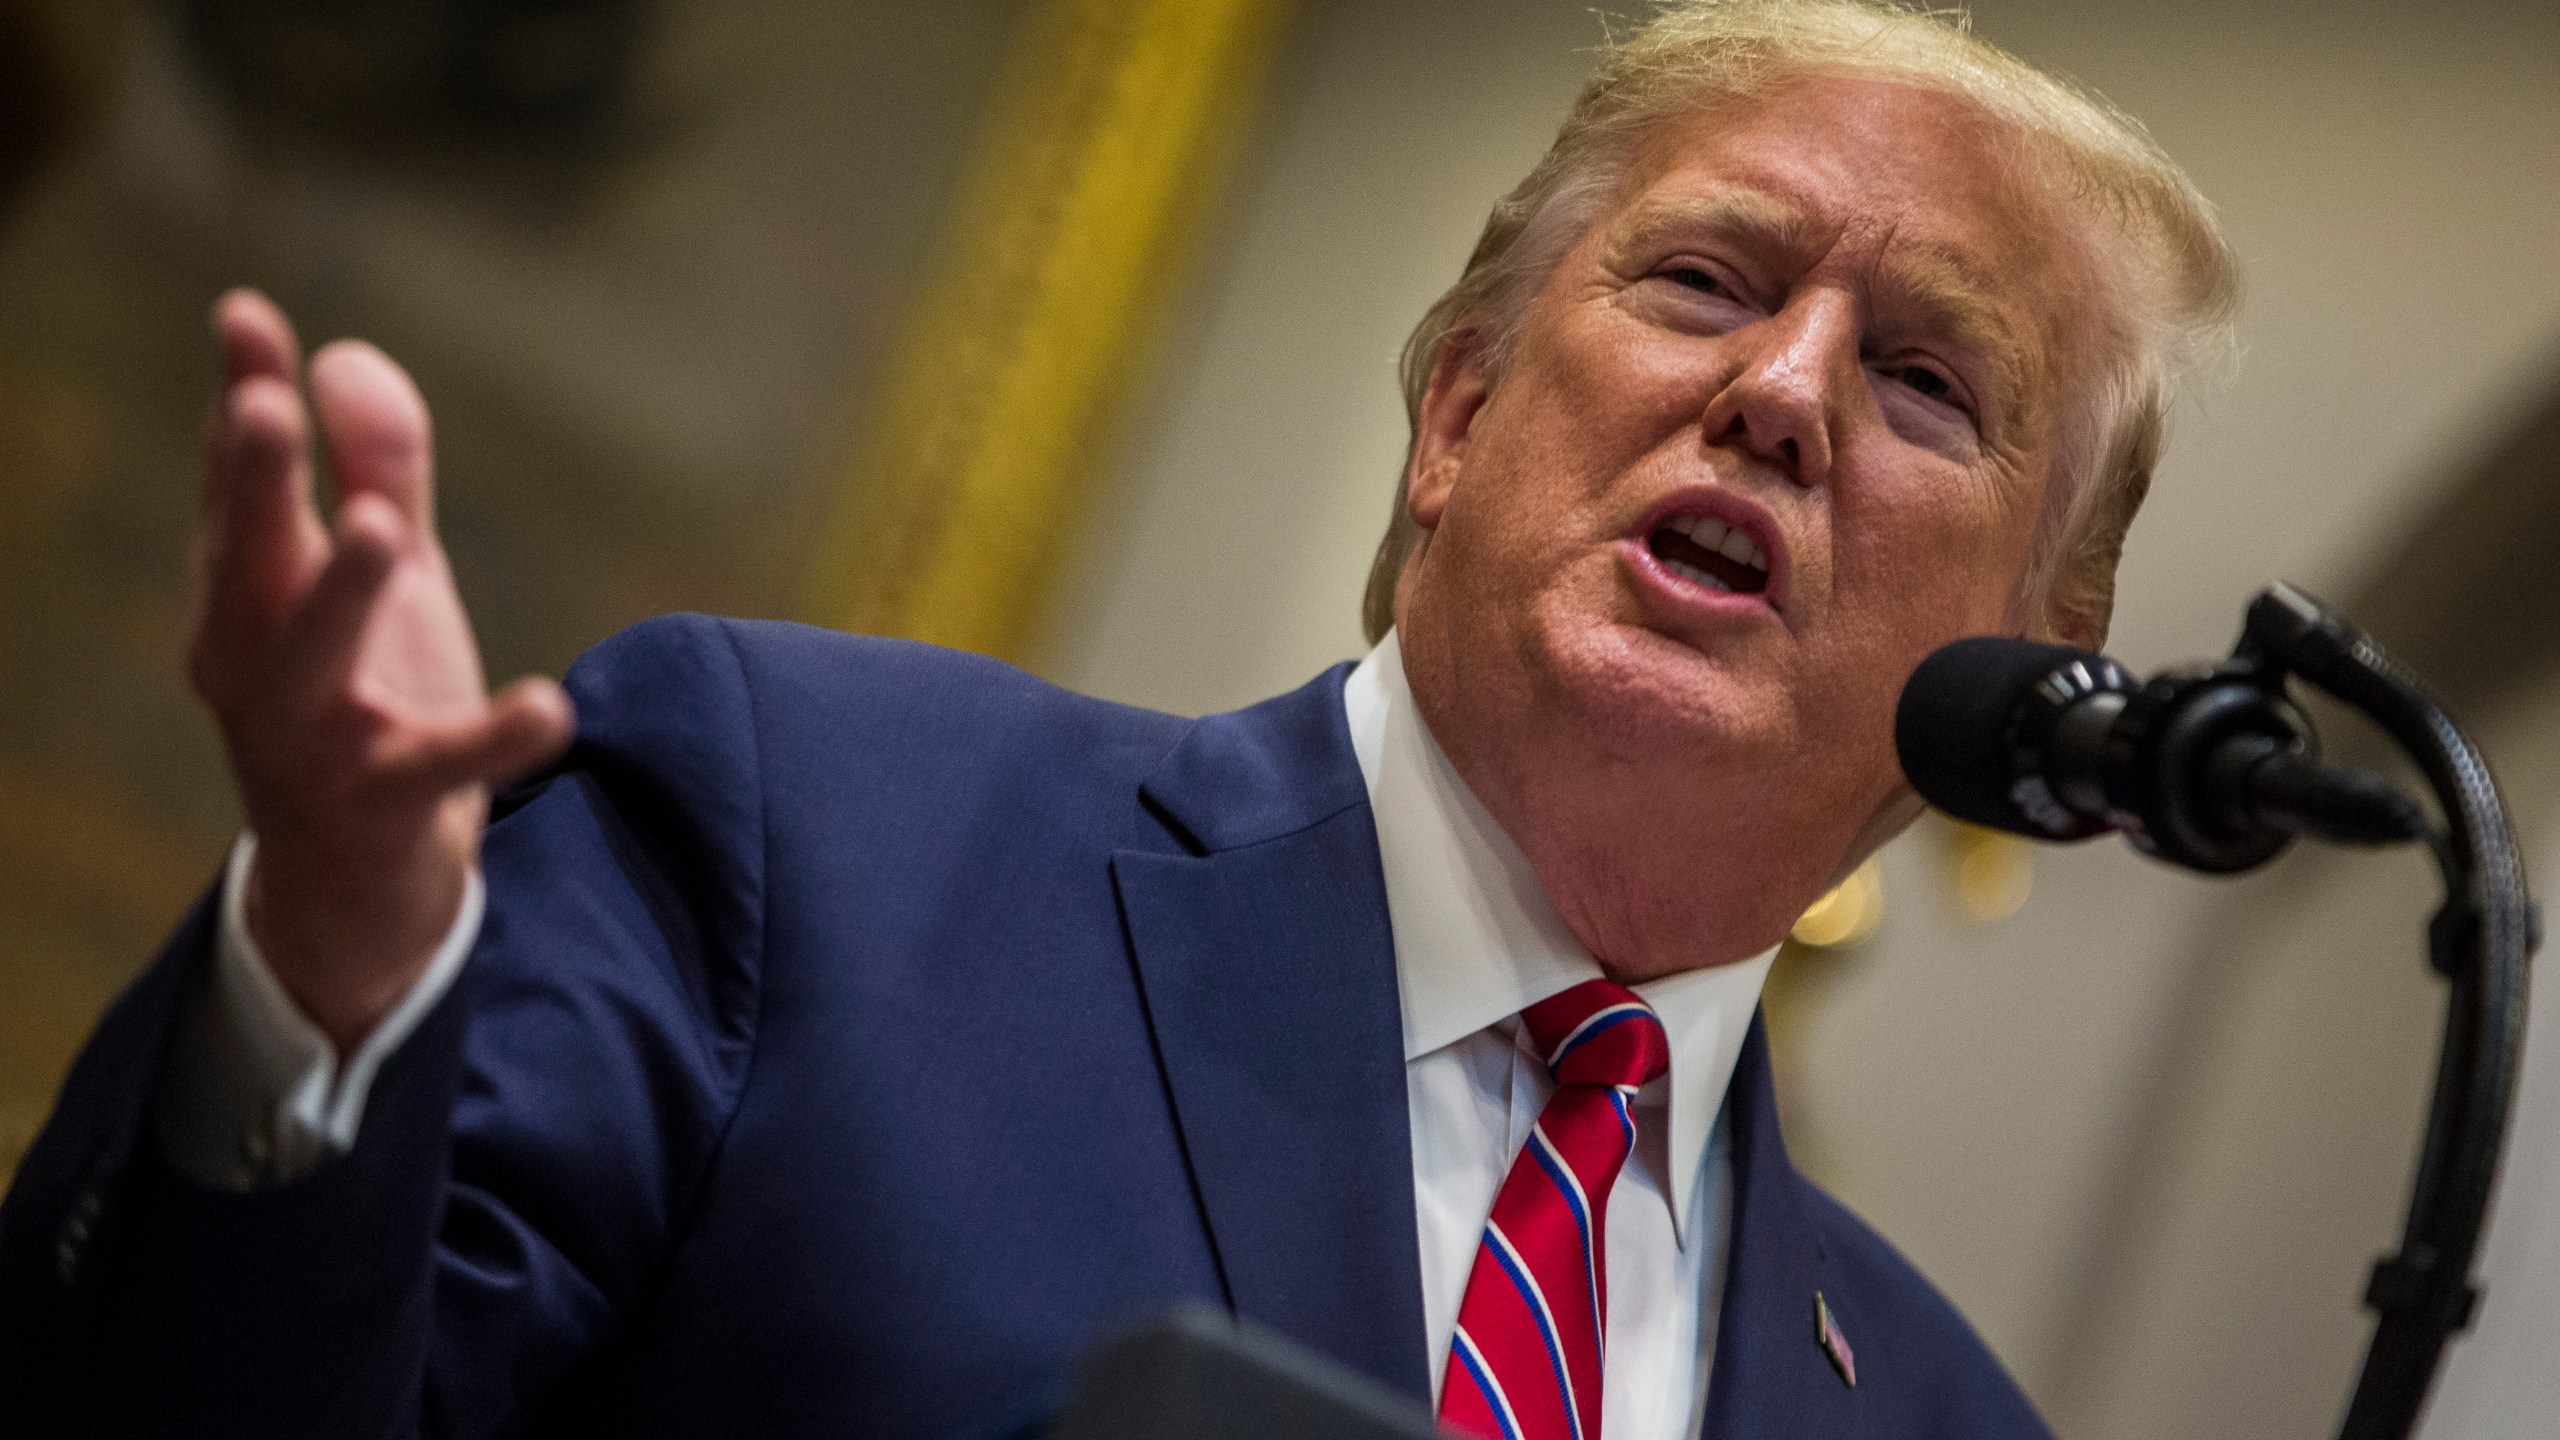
column 1477, row 940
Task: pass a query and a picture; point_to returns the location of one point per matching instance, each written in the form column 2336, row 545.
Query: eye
column 1925, row 382
column 1696, row 279
column 1690, row 295
column 1928, row 404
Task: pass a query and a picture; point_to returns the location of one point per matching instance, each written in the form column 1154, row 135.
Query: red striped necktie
column 1525, row 1361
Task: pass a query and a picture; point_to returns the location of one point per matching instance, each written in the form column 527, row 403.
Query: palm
column 416, row 658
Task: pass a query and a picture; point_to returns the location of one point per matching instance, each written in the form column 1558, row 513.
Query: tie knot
column 1599, row 1033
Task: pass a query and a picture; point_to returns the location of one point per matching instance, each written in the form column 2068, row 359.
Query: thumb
column 527, row 725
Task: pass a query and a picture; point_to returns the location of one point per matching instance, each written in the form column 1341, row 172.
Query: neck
column 1658, row 867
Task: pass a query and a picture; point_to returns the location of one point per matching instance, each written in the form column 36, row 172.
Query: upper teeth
column 1715, row 535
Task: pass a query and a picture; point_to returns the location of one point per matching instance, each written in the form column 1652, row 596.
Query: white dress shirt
column 1476, row 943
column 254, row 1093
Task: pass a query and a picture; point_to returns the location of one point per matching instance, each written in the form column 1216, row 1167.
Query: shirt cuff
column 254, row 1094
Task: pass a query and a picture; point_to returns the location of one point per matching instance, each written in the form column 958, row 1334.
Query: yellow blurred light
column 1994, row 873
column 1848, row 914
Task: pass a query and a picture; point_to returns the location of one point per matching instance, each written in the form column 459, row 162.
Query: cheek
column 1590, row 397
column 1932, row 567
column 1940, row 553
column 1531, row 482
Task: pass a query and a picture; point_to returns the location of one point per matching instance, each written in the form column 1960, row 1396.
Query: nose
column 1779, row 402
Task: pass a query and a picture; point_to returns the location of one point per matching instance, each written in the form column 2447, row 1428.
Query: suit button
column 72, row 1239
column 258, row 1149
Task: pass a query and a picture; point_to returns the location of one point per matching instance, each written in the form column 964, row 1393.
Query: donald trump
column 772, row 1031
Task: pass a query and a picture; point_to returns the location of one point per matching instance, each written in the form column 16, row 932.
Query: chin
column 1638, row 694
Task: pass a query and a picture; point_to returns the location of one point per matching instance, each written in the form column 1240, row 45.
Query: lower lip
column 1687, row 597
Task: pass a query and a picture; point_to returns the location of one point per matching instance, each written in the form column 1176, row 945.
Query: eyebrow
column 1750, row 216
column 1949, row 294
column 1942, row 289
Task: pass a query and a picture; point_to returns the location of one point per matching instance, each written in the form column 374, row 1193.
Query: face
column 1782, row 422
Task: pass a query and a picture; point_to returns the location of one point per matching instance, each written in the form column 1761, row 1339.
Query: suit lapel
column 1269, row 976
column 1263, row 949
column 1771, row 1378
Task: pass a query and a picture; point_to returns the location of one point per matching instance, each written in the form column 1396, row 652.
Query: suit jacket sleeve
column 528, row 1158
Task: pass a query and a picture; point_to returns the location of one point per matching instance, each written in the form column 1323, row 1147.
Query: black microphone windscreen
column 1952, row 728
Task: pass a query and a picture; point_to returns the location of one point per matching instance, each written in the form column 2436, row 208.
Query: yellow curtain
column 1115, row 122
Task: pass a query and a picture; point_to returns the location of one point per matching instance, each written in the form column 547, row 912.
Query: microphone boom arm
column 2481, row 941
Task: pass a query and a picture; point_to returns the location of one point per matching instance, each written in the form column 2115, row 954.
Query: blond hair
column 2174, row 279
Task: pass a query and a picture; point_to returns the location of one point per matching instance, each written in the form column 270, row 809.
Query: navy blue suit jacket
column 857, row 1033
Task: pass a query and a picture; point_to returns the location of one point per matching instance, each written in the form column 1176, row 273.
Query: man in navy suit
column 820, row 1035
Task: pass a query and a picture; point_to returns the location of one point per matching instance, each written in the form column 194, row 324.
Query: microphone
column 1202, row 1374
column 2211, row 768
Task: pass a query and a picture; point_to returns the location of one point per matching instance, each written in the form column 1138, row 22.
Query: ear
column 2077, row 632
column 2069, row 611
column 1450, row 403
column 2073, row 617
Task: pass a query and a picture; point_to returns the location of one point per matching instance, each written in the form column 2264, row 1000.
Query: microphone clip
column 2209, row 767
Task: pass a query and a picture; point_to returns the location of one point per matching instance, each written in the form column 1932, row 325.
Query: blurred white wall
column 2148, row 1132
column 1262, row 468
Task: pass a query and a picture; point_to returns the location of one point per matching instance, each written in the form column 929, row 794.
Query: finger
column 318, row 648
column 266, row 541
column 527, row 726
column 375, row 425
column 255, row 336
column 256, row 340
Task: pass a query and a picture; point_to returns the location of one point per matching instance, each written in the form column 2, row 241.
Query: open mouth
column 1706, row 551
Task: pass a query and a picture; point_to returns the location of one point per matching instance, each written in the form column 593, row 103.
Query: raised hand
column 340, row 663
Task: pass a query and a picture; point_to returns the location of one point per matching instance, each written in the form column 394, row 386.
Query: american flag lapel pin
column 1826, row 1331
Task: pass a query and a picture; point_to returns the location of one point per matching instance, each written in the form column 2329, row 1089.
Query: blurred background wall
column 650, row 263
column 641, row 297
